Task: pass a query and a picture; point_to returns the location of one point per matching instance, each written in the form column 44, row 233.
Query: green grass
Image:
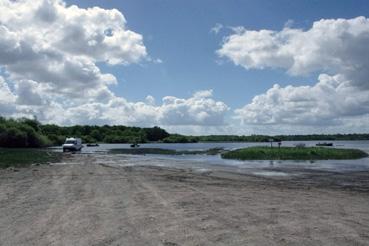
column 26, row 157
column 293, row 153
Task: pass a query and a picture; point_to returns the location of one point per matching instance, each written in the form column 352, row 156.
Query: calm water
column 204, row 163
column 364, row 145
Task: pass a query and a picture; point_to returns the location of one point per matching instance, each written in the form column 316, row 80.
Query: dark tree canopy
column 25, row 132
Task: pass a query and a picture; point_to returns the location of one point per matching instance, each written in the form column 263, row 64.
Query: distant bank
column 24, row 133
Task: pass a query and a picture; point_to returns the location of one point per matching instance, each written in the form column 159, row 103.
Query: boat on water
column 135, row 145
column 92, row 145
column 324, row 144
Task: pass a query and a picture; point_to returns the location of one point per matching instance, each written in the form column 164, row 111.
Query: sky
column 191, row 67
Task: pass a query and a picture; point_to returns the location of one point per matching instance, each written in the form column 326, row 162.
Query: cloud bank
column 49, row 67
column 336, row 48
column 49, row 53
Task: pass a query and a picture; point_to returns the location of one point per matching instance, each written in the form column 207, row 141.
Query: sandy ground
column 98, row 204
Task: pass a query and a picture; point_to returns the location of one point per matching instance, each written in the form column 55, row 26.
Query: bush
column 176, row 138
column 21, row 133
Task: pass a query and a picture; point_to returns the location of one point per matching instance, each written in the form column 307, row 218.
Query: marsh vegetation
column 26, row 157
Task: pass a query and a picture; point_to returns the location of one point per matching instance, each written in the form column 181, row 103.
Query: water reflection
column 271, row 163
column 215, row 161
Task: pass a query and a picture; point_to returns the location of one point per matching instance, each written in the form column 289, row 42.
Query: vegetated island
column 294, row 153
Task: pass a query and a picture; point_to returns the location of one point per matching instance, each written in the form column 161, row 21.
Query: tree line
column 266, row 138
column 24, row 132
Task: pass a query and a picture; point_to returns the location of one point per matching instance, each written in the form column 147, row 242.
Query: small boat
column 92, row 145
column 135, row 145
column 324, row 144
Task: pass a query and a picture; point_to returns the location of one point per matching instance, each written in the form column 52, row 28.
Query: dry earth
column 93, row 203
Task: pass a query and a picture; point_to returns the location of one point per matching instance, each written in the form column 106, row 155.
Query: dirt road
column 92, row 203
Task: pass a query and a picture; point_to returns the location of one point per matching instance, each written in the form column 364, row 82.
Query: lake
column 205, row 163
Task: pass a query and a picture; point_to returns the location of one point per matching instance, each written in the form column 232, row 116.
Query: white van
column 72, row 144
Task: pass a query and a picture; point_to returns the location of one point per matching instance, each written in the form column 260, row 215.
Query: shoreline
column 89, row 200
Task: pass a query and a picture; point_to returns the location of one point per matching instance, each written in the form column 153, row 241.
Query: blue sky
column 178, row 33
column 274, row 67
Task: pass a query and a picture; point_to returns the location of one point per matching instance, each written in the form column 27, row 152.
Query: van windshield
column 70, row 142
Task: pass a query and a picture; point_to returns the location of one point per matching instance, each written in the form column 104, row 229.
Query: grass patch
column 293, row 153
column 159, row 151
column 26, row 157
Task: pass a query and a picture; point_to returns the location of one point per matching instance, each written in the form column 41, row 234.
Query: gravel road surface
column 89, row 202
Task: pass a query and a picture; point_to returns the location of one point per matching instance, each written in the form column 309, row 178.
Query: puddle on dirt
column 271, row 174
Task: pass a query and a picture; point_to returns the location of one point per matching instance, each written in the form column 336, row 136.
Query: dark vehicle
column 324, row 144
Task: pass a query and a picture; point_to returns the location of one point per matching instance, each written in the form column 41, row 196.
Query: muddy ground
column 89, row 202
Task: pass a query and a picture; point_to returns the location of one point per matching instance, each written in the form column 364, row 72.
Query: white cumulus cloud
column 333, row 46
column 325, row 103
column 336, row 48
column 48, row 42
column 49, row 56
column 198, row 110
